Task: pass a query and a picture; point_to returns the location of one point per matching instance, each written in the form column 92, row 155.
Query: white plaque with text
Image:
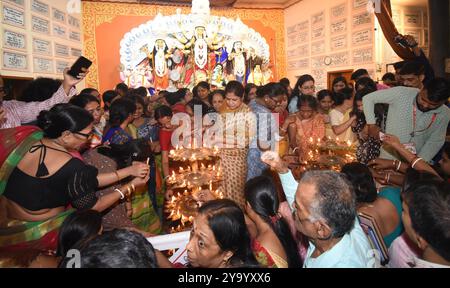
column 42, row 47
column 61, row 50
column 339, row 11
column 338, row 43
column 15, row 40
column 61, row 65
column 75, row 36
column 358, row 4
column 13, row 16
column 317, row 47
column 74, row 52
column 413, row 18
column 317, row 62
column 340, row 59
column 362, row 56
column 303, row 25
column 318, row 19
column 318, row 33
column 362, row 37
column 74, row 22
column 59, row 31
column 42, row 65
column 14, row 61
column 40, row 25
column 303, row 63
column 59, row 15
column 303, row 37
column 339, row 26
column 20, row 3
column 40, row 7
column 292, row 40
column 362, row 19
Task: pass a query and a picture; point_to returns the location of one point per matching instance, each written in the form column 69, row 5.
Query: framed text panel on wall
column 14, row 16
column 41, row 8
column 15, row 61
column 13, row 39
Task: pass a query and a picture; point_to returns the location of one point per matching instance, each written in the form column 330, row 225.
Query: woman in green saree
column 41, row 182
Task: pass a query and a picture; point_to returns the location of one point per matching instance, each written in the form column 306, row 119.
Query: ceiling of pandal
column 216, row 3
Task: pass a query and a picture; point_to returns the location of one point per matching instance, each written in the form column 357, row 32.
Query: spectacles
column 87, row 136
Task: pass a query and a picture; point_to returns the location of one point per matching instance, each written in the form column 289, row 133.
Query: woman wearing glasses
column 41, row 180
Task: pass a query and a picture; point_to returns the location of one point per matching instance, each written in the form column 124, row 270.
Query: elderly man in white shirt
column 325, row 212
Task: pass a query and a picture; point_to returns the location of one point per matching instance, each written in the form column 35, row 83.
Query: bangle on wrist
column 415, row 162
column 399, row 165
column 128, row 190
column 122, row 196
column 133, row 188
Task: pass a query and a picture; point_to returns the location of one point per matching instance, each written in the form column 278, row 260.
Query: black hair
column 359, row 73
column 163, row 111
column 40, row 89
column 412, row 68
column 139, row 100
column 119, row 248
column 429, row 209
column 362, row 181
column 248, row 88
column 324, row 93
column 398, row 65
column 412, row 176
column 309, row 100
column 80, row 226
column 88, row 91
column 285, row 82
column 388, row 76
column 344, row 94
column 183, row 92
column 204, row 84
column 197, row 102
column 125, row 154
column 227, row 222
column 63, row 117
column 141, row 91
column 339, row 79
column 359, row 95
column 260, row 193
column 120, row 110
column 367, row 83
column 122, row 87
column 173, row 98
column 438, row 90
column 83, row 99
column 236, row 88
column 301, row 80
column 108, row 96
column 272, row 90
column 211, row 95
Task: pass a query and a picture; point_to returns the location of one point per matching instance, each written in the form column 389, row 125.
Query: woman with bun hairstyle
column 42, row 183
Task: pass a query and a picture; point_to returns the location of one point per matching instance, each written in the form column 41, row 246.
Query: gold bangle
column 128, row 190
column 133, row 187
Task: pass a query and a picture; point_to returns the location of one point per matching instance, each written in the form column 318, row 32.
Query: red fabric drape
column 390, row 31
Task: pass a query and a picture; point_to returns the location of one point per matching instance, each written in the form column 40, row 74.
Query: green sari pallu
column 15, row 234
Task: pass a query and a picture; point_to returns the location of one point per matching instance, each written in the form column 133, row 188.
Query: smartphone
column 76, row 68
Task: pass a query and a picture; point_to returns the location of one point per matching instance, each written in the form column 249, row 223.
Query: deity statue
column 237, row 62
column 217, row 78
column 159, row 62
column 256, row 76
